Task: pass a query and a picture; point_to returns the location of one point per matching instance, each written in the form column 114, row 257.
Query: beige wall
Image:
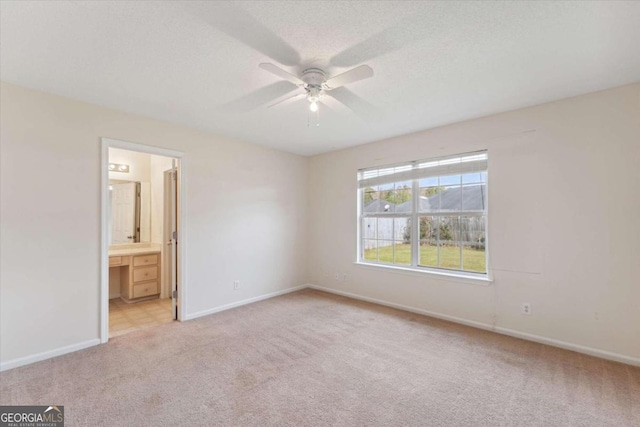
column 564, row 230
column 245, row 213
column 564, row 233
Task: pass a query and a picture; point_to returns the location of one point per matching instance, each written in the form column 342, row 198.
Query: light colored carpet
column 310, row 358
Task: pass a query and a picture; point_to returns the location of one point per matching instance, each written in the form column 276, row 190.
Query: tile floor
column 124, row 318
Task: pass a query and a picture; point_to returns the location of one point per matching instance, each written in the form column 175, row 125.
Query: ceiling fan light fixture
column 313, row 96
column 315, row 83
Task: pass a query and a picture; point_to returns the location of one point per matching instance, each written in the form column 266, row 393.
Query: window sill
column 483, row 280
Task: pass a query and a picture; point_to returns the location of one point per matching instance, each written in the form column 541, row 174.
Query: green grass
column 474, row 259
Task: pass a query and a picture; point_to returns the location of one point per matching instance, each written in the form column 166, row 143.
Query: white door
column 174, row 235
column 167, row 230
column 170, row 260
column 123, row 213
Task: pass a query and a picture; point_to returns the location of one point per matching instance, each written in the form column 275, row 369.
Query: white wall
column 139, row 171
column 246, row 217
column 139, row 165
column 564, row 230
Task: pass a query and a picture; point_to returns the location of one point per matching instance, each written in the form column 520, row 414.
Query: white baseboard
column 454, row 319
column 4, row 366
column 603, row 354
column 517, row 334
column 191, row 316
column 81, row 346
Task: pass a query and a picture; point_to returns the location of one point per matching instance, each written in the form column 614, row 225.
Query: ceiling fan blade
column 359, row 73
column 281, row 73
column 239, row 24
column 356, row 104
column 334, row 105
column 258, row 97
column 288, row 99
column 391, row 39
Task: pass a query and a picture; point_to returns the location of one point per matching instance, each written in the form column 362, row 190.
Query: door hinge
column 175, row 236
column 174, row 294
column 174, row 175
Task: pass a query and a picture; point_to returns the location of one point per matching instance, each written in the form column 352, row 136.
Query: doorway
column 141, row 256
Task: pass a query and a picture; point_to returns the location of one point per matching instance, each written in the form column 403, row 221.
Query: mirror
column 130, row 207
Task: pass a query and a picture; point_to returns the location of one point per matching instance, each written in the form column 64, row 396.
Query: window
column 427, row 214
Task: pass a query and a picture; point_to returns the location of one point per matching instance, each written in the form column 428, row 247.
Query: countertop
column 134, row 249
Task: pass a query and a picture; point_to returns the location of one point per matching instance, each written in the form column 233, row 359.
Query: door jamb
column 107, row 143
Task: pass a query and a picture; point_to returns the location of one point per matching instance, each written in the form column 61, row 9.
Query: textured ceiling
column 435, row 63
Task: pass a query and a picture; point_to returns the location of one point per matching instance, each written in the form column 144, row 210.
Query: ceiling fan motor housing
column 313, row 79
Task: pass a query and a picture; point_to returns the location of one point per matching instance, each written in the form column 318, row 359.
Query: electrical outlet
column 337, row 276
column 343, row 277
column 236, row 285
column 526, row 308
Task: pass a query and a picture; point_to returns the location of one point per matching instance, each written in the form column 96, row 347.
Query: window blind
column 450, row 165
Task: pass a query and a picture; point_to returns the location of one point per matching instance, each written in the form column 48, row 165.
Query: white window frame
column 411, row 170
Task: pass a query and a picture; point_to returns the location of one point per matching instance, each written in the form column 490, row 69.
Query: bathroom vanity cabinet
column 139, row 273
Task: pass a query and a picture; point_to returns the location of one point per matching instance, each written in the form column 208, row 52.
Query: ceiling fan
column 315, row 82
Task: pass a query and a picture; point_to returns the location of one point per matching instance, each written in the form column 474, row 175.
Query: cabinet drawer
column 145, row 260
column 115, row 260
column 145, row 289
column 145, row 273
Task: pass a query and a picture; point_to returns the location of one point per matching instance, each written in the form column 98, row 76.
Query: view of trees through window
column 450, row 215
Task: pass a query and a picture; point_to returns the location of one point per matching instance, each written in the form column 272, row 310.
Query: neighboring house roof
column 473, row 199
column 378, row 205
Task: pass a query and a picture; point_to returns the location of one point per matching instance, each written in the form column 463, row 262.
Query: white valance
column 451, row 165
